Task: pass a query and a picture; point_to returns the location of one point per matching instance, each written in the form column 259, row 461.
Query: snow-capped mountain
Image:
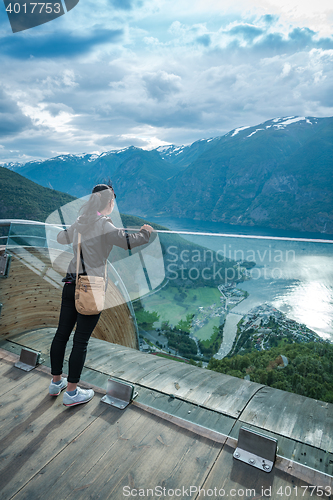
column 277, row 173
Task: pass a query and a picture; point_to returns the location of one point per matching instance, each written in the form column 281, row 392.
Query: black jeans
column 84, row 328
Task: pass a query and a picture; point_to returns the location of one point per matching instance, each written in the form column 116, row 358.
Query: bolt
column 252, row 461
column 267, row 467
column 236, row 454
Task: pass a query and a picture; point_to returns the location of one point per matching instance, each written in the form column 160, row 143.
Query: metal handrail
column 7, row 222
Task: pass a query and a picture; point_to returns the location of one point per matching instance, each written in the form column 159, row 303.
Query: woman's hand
column 147, row 227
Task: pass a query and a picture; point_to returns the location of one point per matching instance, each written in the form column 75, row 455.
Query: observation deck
column 179, row 433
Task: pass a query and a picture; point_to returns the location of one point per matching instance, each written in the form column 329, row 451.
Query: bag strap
column 78, row 252
column 105, row 219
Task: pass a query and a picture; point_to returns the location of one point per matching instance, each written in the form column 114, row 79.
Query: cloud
column 269, row 19
column 123, row 4
column 204, row 40
column 162, row 71
column 254, row 42
column 247, row 31
column 160, row 85
column 58, row 44
column 12, row 120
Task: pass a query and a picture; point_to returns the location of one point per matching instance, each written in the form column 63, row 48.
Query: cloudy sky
column 114, row 73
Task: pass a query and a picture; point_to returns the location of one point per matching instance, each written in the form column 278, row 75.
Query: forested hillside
column 309, row 371
column 24, row 199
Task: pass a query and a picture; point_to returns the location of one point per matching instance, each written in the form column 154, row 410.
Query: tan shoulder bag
column 89, row 290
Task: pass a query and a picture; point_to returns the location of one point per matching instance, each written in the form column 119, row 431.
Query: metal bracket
column 256, row 449
column 5, row 259
column 119, row 393
column 28, row 360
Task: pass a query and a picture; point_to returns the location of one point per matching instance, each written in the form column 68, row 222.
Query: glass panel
column 137, row 271
column 212, row 297
column 26, row 234
column 4, row 231
column 226, row 295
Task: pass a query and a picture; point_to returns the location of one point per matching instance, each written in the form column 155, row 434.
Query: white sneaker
column 55, row 389
column 81, row 396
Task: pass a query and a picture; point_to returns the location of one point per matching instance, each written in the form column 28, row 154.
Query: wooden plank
column 118, row 354
column 200, row 392
column 220, row 392
column 304, row 419
column 240, row 480
column 130, row 448
column 148, row 367
column 163, row 369
column 21, row 400
column 10, row 376
column 230, row 395
column 99, row 357
column 144, row 366
column 111, row 348
column 309, row 477
column 36, row 339
column 36, row 428
column 128, row 365
column 95, row 378
column 191, row 415
column 72, row 464
column 157, row 400
column 126, row 449
column 226, row 394
column 190, row 425
column 175, row 380
column 191, row 382
column 160, row 455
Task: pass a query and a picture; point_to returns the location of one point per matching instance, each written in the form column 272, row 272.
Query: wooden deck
column 95, row 451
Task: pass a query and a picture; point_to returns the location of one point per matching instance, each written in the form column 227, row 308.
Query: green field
column 167, row 304
column 206, row 331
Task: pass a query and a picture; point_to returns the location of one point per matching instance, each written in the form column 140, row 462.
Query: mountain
column 76, row 174
column 23, row 199
column 183, row 156
column 276, row 174
column 73, row 174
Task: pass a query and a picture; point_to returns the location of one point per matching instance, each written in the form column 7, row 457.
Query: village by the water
column 261, row 328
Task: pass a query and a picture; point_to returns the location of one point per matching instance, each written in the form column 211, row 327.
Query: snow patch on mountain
column 289, row 121
column 281, row 123
column 163, row 149
column 237, row 130
column 252, row 133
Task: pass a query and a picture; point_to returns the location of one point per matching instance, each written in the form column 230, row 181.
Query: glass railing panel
column 254, row 307
column 4, row 230
column 226, row 295
column 24, row 238
column 26, row 234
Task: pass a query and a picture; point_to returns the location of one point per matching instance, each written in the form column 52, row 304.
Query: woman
column 98, row 237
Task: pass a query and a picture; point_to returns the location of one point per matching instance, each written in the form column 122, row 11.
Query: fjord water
column 295, row 276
